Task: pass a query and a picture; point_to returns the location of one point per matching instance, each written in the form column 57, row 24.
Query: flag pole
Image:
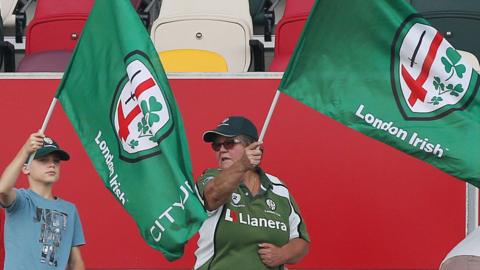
column 471, row 215
column 269, row 115
column 44, row 126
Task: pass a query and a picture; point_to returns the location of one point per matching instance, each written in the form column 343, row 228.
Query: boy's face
column 45, row 169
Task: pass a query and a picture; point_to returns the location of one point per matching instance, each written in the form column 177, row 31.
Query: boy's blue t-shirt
column 39, row 233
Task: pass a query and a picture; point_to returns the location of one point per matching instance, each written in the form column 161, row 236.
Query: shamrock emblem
column 437, row 83
column 440, row 86
column 153, row 106
column 133, row 144
column 436, row 100
column 143, row 127
column 149, row 116
column 451, row 63
column 455, row 90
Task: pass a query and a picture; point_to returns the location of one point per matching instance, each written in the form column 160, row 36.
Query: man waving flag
column 380, row 68
column 118, row 99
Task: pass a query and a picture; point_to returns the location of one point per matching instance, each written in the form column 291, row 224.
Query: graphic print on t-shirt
column 52, row 224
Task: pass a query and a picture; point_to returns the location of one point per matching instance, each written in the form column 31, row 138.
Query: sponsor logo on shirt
column 271, row 204
column 249, row 220
column 236, row 198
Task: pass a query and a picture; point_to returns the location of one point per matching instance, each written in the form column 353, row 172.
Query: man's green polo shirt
column 229, row 238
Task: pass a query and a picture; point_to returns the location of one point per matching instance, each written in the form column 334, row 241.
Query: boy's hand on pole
column 33, row 143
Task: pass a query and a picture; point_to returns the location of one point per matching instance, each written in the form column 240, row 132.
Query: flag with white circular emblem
column 382, row 69
column 118, row 99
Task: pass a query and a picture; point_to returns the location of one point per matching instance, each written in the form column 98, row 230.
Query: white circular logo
column 235, row 198
column 140, row 113
column 271, row 204
column 430, row 79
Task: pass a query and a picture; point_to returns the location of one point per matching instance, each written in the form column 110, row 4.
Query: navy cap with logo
column 230, row 127
column 50, row 146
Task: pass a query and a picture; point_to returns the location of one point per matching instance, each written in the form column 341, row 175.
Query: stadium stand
column 52, row 34
column 263, row 17
column 456, row 20
column 181, row 61
column 136, row 3
column 207, row 34
column 15, row 17
column 1, row 37
column 8, row 6
column 288, row 32
column 147, row 10
column 7, row 51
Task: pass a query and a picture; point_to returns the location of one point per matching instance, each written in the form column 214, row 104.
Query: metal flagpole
column 471, row 218
column 44, row 126
column 269, row 115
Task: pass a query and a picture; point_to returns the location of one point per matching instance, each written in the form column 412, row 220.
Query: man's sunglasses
column 227, row 144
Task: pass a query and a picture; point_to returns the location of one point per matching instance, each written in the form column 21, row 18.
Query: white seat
column 220, row 26
column 7, row 7
column 471, row 58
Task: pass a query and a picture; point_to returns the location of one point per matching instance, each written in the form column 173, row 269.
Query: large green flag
column 118, row 99
column 379, row 68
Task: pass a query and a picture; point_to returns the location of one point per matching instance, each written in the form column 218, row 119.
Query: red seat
column 48, row 61
column 288, row 31
column 55, row 28
column 136, row 4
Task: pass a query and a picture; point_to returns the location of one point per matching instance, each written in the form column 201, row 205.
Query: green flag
column 381, row 69
column 118, row 99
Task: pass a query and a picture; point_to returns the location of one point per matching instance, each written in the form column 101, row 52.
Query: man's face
column 231, row 150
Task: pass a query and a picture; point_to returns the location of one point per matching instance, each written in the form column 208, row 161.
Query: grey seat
column 457, row 20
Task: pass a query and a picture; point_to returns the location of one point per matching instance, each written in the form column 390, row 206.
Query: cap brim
column 209, row 136
column 60, row 153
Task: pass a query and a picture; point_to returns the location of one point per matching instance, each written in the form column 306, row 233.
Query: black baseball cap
column 232, row 126
column 50, row 146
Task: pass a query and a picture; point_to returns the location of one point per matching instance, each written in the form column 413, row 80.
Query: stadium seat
column 147, row 10
column 136, row 4
column 14, row 17
column 471, row 59
column 180, row 61
column 8, row 6
column 7, row 51
column 1, row 37
column 263, row 16
column 465, row 255
column 458, row 21
column 52, row 34
column 444, row 5
column 187, row 28
column 288, row 32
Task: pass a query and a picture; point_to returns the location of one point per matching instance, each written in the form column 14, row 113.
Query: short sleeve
column 203, row 180
column 296, row 222
column 19, row 202
column 78, row 237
